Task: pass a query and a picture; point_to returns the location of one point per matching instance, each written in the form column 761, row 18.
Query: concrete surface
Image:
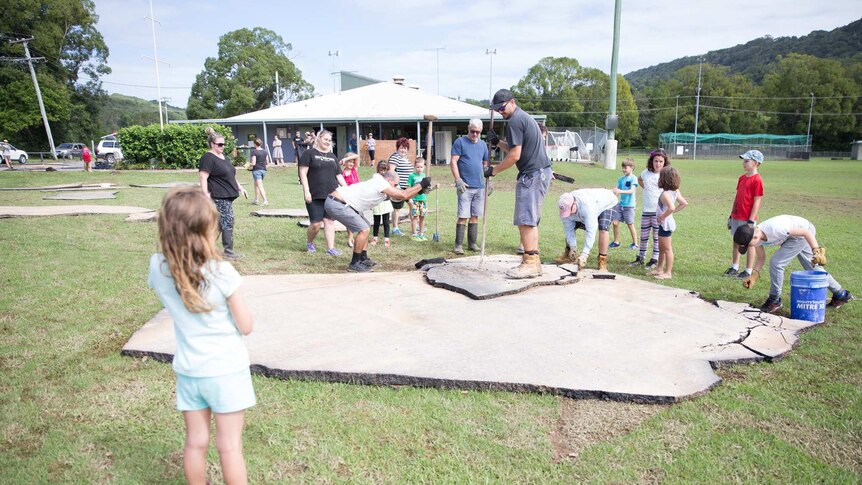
column 143, row 217
column 463, row 275
column 622, row 339
column 94, row 195
column 46, row 187
column 67, row 210
column 298, row 213
column 166, row 185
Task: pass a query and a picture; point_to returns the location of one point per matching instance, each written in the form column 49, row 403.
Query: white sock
column 748, row 270
column 735, row 267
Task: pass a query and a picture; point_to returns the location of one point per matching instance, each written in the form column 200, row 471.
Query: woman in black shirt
column 218, row 180
column 320, row 174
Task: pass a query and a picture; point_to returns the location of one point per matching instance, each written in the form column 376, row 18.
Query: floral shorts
column 420, row 208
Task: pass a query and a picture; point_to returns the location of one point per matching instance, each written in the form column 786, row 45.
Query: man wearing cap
column 795, row 237
column 525, row 148
column 589, row 209
column 746, row 204
column 469, row 159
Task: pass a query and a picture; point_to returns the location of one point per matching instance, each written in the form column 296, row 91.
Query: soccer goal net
column 567, row 146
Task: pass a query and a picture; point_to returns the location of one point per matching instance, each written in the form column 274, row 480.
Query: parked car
column 69, row 150
column 108, row 149
column 19, row 155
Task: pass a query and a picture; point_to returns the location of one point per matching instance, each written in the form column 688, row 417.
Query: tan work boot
column 530, row 267
column 603, row 263
column 566, row 257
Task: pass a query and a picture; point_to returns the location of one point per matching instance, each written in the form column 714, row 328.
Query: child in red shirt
column 749, row 193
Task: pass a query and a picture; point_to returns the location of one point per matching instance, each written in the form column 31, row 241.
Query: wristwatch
column 750, row 221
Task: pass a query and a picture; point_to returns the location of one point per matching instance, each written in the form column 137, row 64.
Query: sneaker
column 838, row 300
column 387, row 243
column 358, row 267
column 731, row 272
column 232, row 255
column 771, row 304
column 742, row 275
column 637, row 262
column 264, row 203
column 334, row 252
column 254, row 202
column 634, row 247
column 311, row 248
column 369, row 262
column 614, row 245
column 397, row 232
column 374, row 241
column 416, row 237
column 651, row 264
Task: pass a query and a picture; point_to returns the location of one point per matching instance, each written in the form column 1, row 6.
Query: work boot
column 227, row 242
column 472, row 236
column 530, row 267
column 459, row 238
column 603, row 262
column 566, row 257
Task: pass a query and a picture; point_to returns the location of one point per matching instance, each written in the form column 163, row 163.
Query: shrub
column 178, row 146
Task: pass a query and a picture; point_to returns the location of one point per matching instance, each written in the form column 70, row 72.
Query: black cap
column 743, row 236
column 501, row 97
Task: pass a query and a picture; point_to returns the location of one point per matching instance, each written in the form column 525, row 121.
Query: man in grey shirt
column 524, row 148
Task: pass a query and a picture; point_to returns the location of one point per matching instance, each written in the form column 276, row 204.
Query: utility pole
column 333, row 55
column 156, row 60
column 165, row 101
column 613, row 120
column 38, row 92
column 697, row 108
column 810, row 112
column 438, row 49
column 277, row 91
column 492, row 53
column 675, row 118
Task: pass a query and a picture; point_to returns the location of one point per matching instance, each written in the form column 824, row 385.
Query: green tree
column 242, row 77
column 574, row 96
column 75, row 56
column 835, row 88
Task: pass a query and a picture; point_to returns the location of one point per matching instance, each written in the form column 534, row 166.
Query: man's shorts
column 343, row 213
column 530, row 190
column 629, row 215
column 223, row 394
column 471, row 203
column 315, row 209
column 258, row 174
column 615, row 213
column 419, row 209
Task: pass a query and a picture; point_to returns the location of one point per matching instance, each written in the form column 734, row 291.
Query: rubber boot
column 227, row 242
column 459, row 238
column 603, row 262
column 473, row 236
column 530, row 267
column 566, row 257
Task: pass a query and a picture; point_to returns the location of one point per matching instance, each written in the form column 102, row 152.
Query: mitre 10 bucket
column 808, row 295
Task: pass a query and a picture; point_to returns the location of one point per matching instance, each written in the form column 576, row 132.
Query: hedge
column 178, row 146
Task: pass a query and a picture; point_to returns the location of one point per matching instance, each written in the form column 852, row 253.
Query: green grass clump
column 75, row 411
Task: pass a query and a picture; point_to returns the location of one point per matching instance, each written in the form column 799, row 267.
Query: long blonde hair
column 188, row 223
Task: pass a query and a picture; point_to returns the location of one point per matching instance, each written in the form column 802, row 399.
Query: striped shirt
column 403, row 168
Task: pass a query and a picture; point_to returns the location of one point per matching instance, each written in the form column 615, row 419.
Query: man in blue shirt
column 469, row 159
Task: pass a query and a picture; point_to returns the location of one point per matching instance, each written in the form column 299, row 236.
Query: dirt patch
column 585, row 422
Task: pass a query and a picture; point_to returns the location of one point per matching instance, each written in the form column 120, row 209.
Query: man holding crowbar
column 525, row 148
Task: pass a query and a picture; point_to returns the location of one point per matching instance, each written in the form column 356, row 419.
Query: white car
column 108, row 150
column 19, row 155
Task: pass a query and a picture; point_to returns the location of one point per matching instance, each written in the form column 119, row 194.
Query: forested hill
column 752, row 57
column 119, row 111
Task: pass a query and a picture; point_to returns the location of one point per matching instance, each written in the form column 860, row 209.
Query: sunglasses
column 220, row 145
column 502, row 108
column 475, row 132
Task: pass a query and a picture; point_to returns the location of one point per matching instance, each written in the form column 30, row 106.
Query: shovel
column 436, row 236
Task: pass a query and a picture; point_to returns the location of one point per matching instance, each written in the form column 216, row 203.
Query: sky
column 384, row 38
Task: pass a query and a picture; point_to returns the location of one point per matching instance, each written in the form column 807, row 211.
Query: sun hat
column 753, row 155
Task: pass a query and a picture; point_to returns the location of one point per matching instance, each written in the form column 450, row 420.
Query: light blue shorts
column 223, row 394
column 471, row 203
column 258, row 174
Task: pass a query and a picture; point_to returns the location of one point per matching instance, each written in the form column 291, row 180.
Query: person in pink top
column 87, row 157
column 351, row 176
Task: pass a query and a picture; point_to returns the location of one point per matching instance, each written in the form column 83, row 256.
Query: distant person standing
column 469, row 159
column 218, row 180
column 371, row 143
column 87, row 157
column 351, row 145
column 297, row 146
column 399, row 162
column 277, row 152
column 7, row 154
column 259, row 159
column 320, row 174
column 525, row 148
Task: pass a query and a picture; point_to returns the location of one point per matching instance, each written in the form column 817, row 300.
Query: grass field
column 72, row 410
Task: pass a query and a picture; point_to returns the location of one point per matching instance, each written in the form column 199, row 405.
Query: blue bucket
column 808, row 295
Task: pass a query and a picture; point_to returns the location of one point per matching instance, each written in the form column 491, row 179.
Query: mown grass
column 75, row 411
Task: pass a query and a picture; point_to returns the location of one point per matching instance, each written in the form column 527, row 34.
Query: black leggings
column 385, row 219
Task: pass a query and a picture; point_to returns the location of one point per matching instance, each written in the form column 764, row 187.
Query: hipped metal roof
column 382, row 102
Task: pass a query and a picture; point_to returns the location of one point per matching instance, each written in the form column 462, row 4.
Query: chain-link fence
column 727, row 145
